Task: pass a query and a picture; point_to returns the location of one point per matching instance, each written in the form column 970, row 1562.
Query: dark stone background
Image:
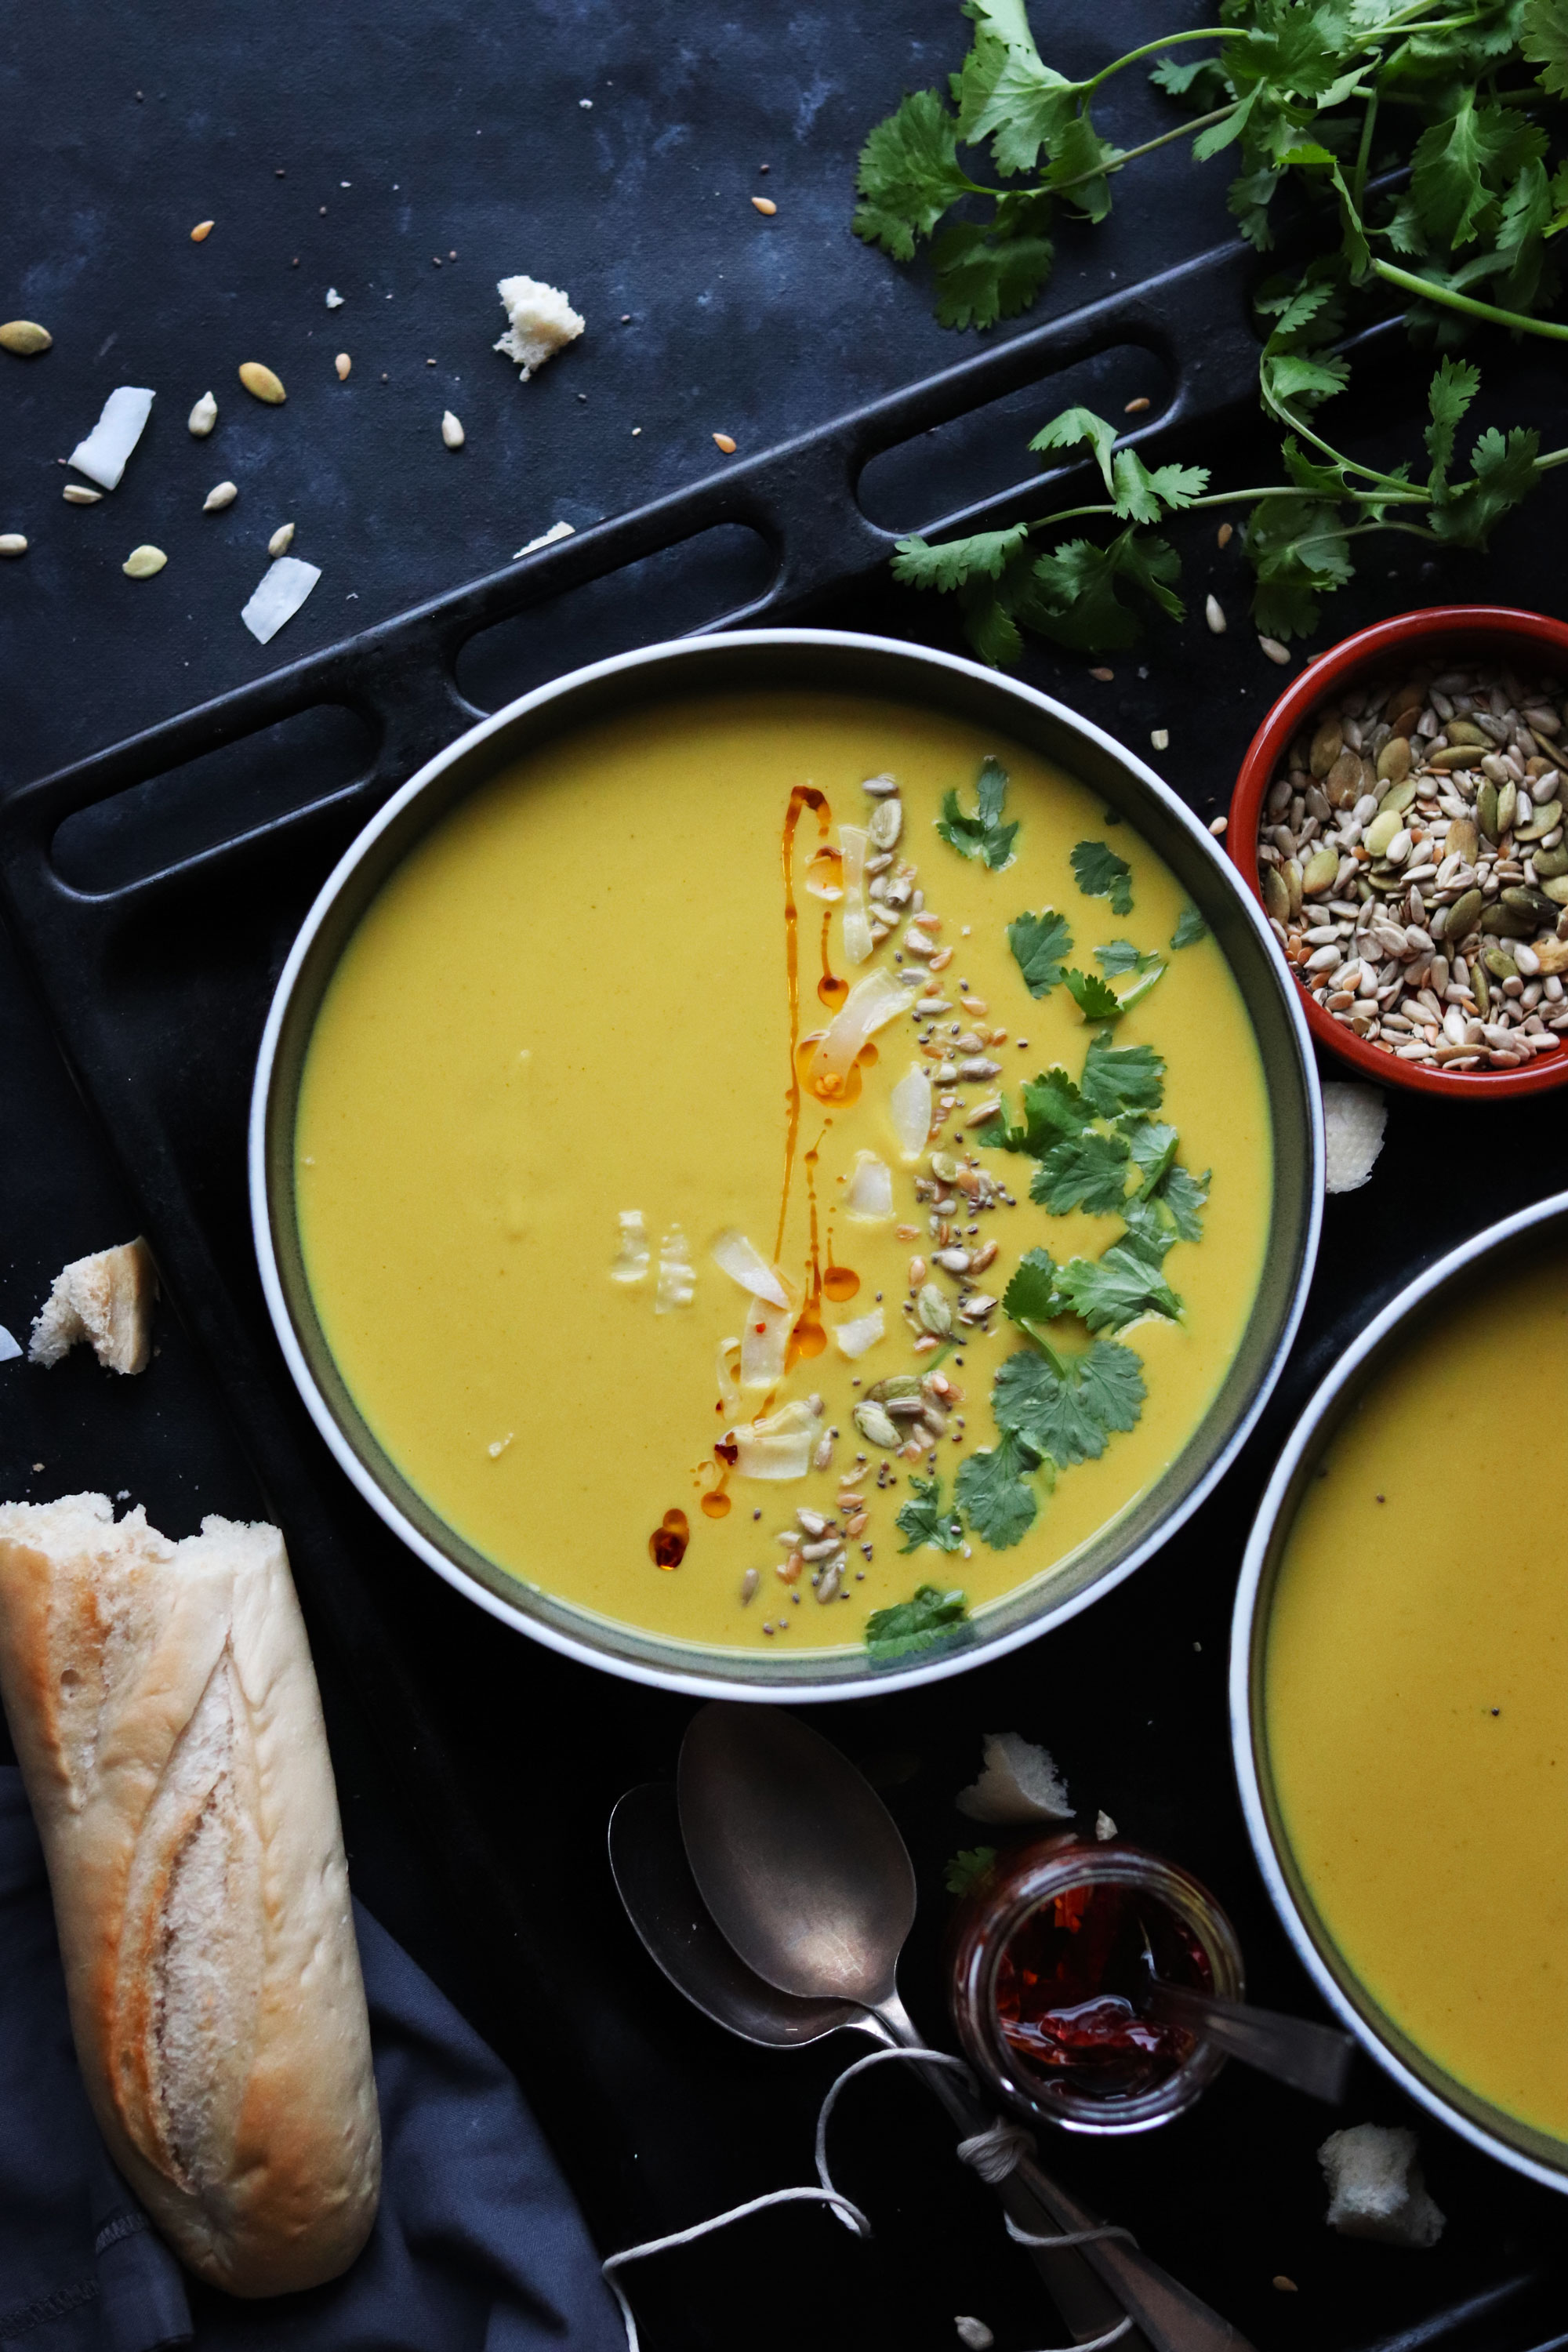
column 461, row 129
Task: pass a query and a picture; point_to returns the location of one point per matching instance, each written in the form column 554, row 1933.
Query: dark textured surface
column 657, row 2116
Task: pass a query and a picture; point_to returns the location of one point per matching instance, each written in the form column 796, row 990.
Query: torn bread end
column 107, row 1300
column 1019, row 1783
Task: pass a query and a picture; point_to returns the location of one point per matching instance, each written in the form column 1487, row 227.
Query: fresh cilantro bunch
column 1298, row 533
column 1423, row 142
column 1332, row 94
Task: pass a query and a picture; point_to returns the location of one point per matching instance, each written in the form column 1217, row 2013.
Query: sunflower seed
column 452, row 433
column 76, row 494
column 142, row 562
column 203, row 417
column 221, row 495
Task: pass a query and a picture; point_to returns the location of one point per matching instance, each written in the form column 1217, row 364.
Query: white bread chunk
column 107, row 1300
column 1019, row 1783
column 1355, row 1118
column 165, row 1716
column 540, row 321
column 1375, row 2189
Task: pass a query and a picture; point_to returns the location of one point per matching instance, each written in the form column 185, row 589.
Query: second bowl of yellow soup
column 1399, row 1694
column 784, row 1163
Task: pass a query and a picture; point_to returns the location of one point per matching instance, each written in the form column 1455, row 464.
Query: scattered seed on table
column 725, row 442
column 223, row 494
column 203, row 417
column 142, row 562
column 451, row 431
column 281, row 541
column 25, row 337
column 1274, row 649
column 1214, row 613
column 1223, row 535
column 1104, row 676
column 201, row 232
column 12, row 544
column 343, row 365
column 1136, row 407
column 1160, row 737
column 1217, row 824
column 76, row 494
column 262, row 383
column 765, row 204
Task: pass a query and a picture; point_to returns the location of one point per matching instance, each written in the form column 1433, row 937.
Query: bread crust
column 167, row 1722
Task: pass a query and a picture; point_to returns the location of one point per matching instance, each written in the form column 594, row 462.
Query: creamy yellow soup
column 555, row 1065
column 1416, row 1694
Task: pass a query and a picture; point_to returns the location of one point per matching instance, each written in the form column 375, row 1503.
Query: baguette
column 165, row 1716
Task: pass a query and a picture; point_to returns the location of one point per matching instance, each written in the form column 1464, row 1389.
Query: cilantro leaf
column 997, row 1501
column 1110, row 1292
column 1545, row 43
column 1139, row 988
column 1093, row 999
column 1083, row 1172
column 1053, row 1106
column 1076, row 425
column 1068, row 1414
column 1120, row 956
column 1077, row 168
column 908, row 175
column 1299, row 552
column 983, row 555
column 1190, row 929
column 1505, row 474
column 925, row 1521
column 927, row 1619
column 1184, row 1195
column 1031, row 1298
column 1100, row 874
column 985, row 274
column 1072, row 598
column 1152, row 1145
column 1038, row 943
column 982, row 836
column 1448, row 396
column 967, row 1868
column 1005, row 93
column 1153, row 1231
column 1121, row 1078
column 1141, row 496
column 1453, row 166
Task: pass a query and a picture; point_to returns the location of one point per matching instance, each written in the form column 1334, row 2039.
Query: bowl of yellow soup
column 783, row 1164
column 1399, row 1692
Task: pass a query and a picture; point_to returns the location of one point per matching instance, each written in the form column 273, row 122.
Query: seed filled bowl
column 785, row 1163
column 1399, row 815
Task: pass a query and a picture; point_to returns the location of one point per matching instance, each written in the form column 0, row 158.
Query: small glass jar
column 1048, row 1951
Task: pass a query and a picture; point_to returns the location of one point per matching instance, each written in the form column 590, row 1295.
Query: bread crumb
column 546, row 539
column 1375, row 2189
column 1104, row 1827
column 1019, row 1783
column 106, row 1300
column 540, row 321
column 972, row 2334
column 1355, row 1118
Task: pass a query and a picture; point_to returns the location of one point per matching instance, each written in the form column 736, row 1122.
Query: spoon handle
column 1295, row 2050
column 1168, row 2313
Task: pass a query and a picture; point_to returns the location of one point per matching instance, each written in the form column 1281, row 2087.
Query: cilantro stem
column 1363, row 154
column 1129, row 154
column 1406, row 279
column 1154, row 48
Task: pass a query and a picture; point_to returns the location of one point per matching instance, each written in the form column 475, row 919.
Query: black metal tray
column 155, row 889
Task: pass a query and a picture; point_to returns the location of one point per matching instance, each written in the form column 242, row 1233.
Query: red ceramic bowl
column 1518, row 639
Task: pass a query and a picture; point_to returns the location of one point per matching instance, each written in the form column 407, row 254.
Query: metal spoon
column 654, row 1880
column 805, row 1874
column 1294, row 2050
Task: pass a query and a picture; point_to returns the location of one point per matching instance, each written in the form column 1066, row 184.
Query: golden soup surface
column 570, row 1004
column 1416, row 1694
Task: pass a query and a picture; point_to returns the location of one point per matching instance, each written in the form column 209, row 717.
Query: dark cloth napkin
column 478, row 2248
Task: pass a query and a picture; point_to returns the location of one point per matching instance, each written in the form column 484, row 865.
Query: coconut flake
column 540, row 321
column 1375, row 2188
column 9, row 1347
column 729, row 1396
column 855, row 1339
column 858, row 943
column 869, row 1191
column 870, row 1005
column 283, row 588
column 546, row 539
column 744, row 1262
column 334, row 300
column 677, row 1275
column 632, row 1255
column 1355, row 1118
column 1019, row 1783
column 779, row 1448
column 764, row 1343
column 102, row 455
column 912, row 1105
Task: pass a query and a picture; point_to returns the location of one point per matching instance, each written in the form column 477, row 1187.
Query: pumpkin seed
column 1327, row 744
column 1486, row 811
column 1344, row 781
column 1500, row 965
column 1508, row 922
column 1544, row 821
column 1394, row 760
column 1398, row 798
column 144, row 562
column 1277, row 898
column 932, row 1312
column 1507, row 808
column 1381, row 832
column 261, row 382
column 1320, row 871
column 25, row 337
column 1462, row 840
column 875, row 1428
column 1465, row 730
column 1463, row 914
column 1549, row 863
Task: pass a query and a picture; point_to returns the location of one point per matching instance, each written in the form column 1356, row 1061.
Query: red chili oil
column 1068, row 1982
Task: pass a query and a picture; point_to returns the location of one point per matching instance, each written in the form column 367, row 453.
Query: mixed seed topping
column 1411, row 853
